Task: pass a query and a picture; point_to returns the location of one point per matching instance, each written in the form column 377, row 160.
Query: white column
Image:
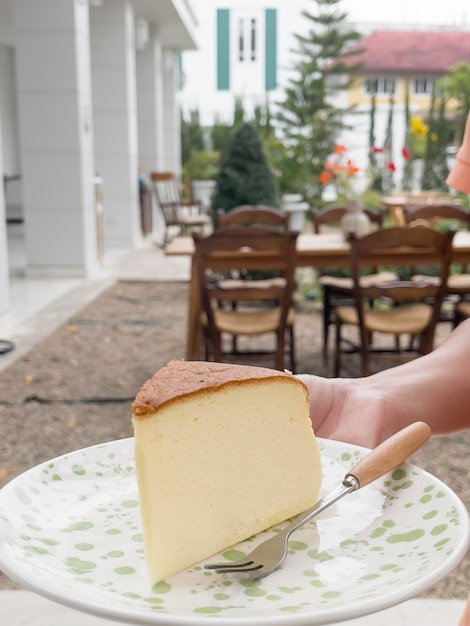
column 54, row 101
column 4, row 128
column 150, row 105
column 4, row 272
column 172, row 131
column 115, row 119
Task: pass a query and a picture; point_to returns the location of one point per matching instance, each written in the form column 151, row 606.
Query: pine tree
column 387, row 177
column 373, row 107
column 306, row 117
column 244, row 176
column 436, row 169
column 427, row 179
column 221, row 131
column 408, row 166
column 377, row 183
column 442, row 134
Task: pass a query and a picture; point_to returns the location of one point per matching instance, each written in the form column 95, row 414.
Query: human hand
column 465, row 619
column 352, row 410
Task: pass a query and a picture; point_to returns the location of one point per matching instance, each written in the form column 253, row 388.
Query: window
column 380, row 85
column 253, row 39
column 423, row 84
column 247, row 40
column 241, row 41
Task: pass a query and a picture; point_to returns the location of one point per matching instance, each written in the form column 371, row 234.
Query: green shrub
column 244, row 176
column 202, row 165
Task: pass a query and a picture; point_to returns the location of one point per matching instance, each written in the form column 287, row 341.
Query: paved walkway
column 21, row 608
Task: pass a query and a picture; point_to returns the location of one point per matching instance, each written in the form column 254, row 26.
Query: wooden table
column 318, row 251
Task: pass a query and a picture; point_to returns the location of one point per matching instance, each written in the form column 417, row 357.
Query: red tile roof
column 413, row 51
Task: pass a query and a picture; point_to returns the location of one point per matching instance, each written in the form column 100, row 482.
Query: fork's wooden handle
column 390, row 453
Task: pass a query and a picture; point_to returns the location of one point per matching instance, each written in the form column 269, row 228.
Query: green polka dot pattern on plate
column 76, row 524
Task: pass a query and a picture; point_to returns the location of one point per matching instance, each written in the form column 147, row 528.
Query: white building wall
column 200, row 67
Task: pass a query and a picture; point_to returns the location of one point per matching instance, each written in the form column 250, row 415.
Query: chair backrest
column 253, row 216
column 434, row 212
column 166, row 187
column 332, row 214
column 239, row 249
column 425, row 244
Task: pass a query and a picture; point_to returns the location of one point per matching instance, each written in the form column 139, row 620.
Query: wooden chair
column 337, row 290
column 462, row 312
column 260, row 306
column 254, row 216
column 441, row 216
column 179, row 213
column 251, row 216
column 415, row 307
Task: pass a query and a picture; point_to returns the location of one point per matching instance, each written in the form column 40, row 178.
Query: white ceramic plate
column 70, row 530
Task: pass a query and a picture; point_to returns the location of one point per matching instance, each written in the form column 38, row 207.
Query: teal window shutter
column 180, row 70
column 223, row 49
column 270, row 77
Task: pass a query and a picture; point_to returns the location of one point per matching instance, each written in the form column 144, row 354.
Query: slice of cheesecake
column 222, row 452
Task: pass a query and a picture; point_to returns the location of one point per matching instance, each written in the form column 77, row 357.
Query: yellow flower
column 418, row 126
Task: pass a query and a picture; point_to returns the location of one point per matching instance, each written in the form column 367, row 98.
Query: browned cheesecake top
column 180, row 378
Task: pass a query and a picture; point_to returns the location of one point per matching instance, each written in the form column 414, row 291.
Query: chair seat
column 346, row 284
column 194, row 220
column 419, row 278
column 459, row 283
column 249, row 321
column 463, row 309
column 409, row 318
column 265, row 283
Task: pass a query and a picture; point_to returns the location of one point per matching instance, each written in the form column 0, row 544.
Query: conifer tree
column 436, row 169
column 408, row 166
column 427, row 179
column 387, row 176
column 442, row 132
column 244, row 176
column 306, row 116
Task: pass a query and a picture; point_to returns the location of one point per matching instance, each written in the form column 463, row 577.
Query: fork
column 269, row 555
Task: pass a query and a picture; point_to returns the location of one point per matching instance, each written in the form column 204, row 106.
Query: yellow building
column 391, row 60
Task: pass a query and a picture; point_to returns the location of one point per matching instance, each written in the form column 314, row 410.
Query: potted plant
column 202, row 168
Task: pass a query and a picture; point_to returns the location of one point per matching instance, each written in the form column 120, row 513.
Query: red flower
column 325, row 177
column 352, row 168
column 405, row 152
column 339, row 149
column 391, row 166
column 376, row 150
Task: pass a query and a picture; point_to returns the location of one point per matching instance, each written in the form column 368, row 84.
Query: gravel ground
column 74, row 389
